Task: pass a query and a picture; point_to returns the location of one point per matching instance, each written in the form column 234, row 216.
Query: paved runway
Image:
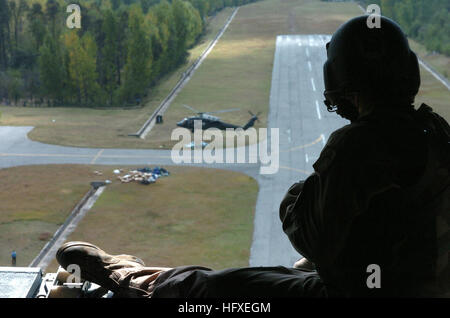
column 297, row 109
column 17, row 150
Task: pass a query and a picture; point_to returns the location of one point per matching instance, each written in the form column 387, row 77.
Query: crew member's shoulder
column 347, row 144
column 351, row 136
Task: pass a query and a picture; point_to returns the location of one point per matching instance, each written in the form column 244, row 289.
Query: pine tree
column 51, row 71
column 110, row 55
column 139, row 59
column 156, row 42
column 194, row 24
column 88, row 66
column 82, row 66
column 168, row 36
column 115, row 4
column 36, row 25
column 52, row 9
column 180, row 16
column 15, row 85
column 17, row 9
column 4, row 33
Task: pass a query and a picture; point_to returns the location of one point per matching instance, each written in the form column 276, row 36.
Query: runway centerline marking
column 307, row 52
column 312, row 83
column 318, row 110
column 99, row 153
column 309, row 66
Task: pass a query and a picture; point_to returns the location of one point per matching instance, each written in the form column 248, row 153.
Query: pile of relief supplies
column 143, row 175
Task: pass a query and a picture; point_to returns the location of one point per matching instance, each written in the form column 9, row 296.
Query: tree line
column 123, row 48
column 423, row 20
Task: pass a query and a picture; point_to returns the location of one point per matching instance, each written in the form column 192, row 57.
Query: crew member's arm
column 317, row 214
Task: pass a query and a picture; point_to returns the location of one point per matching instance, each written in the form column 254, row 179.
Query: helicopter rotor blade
column 222, row 111
column 191, row 108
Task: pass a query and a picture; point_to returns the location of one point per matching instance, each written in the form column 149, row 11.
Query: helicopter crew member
column 379, row 194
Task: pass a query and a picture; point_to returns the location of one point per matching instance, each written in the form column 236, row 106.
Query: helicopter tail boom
column 250, row 123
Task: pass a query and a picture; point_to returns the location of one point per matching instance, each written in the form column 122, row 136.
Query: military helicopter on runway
column 209, row 121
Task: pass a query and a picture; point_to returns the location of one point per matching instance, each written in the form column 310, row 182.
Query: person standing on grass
column 13, row 258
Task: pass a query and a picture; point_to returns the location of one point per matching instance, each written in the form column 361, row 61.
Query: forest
column 123, row 48
column 426, row 21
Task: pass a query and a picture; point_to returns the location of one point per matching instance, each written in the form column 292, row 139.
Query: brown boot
column 109, row 271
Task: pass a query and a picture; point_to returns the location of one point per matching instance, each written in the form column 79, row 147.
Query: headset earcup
column 413, row 80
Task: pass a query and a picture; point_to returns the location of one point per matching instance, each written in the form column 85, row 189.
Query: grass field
column 236, row 74
column 35, row 200
column 439, row 62
column 432, row 92
column 194, row 216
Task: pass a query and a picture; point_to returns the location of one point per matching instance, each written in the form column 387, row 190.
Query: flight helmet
column 375, row 62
